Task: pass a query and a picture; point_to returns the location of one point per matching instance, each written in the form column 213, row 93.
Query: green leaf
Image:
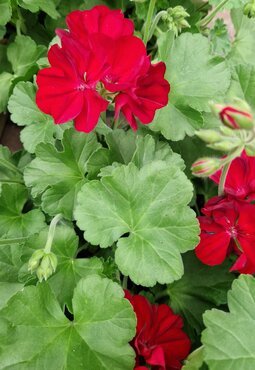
column 69, row 269
column 8, row 290
column 243, row 47
column 5, row 84
column 125, row 147
column 195, row 78
column 10, row 262
column 201, row 288
column 23, row 54
column 226, row 339
column 23, row 108
column 5, row 11
column 59, row 174
column 34, row 327
column 13, row 222
column 195, row 360
column 34, row 6
column 24, row 112
column 9, row 172
column 150, row 205
column 243, row 84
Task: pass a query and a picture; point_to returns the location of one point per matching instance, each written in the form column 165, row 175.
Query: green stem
column 205, row 21
column 13, row 241
column 124, row 282
column 160, row 14
column 9, row 166
column 51, row 232
column 148, row 21
column 223, row 178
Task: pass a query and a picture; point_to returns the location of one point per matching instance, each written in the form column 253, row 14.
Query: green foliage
column 201, row 288
column 69, row 269
column 195, row 78
column 5, row 11
column 227, row 343
column 34, row 327
column 145, row 204
column 13, row 222
column 24, row 112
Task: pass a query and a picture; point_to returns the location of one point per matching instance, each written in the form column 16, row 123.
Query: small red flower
column 227, row 227
column 240, row 182
column 160, row 341
column 100, row 61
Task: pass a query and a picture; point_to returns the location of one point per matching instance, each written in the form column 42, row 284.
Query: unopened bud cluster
column 249, row 9
column 236, row 133
column 176, row 19
column 44, row 264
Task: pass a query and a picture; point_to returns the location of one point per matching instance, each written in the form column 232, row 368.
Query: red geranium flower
column 160, row 341
column 100, row 61
column 227, row 227
column 240, row 182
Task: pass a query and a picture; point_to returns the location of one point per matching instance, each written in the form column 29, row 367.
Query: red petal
column 213, row 248
column 93, row 105
column 58, row 96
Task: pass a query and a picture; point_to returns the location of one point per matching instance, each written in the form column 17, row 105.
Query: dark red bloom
column 227, row 227
column 240, row 182
column 100, row 61
column 160, row 341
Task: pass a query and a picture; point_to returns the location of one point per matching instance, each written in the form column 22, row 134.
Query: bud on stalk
column 205, row 167
column 234, row 116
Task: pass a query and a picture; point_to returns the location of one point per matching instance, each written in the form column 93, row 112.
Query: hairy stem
column 205, row 21
column 223, row 178
column 148, row 21
column 51, row 232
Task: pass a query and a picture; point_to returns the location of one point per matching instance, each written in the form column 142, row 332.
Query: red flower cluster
column 228, row 224
column 160, row 341
column 100, row 61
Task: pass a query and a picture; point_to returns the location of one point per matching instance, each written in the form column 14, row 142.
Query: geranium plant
column 126, row 241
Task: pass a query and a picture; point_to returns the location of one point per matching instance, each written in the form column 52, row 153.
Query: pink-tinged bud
column 236, row 119
column 205, row 167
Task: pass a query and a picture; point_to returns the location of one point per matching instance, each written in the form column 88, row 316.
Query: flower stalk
column 43, row 261
column 205, row 21
column 148, row 21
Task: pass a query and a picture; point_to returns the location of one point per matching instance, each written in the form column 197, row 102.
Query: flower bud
column 35, row 260
column 205, row 167
column 225, row 145
column 209, row 136
column 44, row 264
column 47, row 266
column 176, row 19
column 249, row 9
column 234, row 116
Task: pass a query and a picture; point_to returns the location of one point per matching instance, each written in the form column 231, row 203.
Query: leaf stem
column 205, row 21
column 124, row 282
column 9, row 166
column 51, row 232
column 13, row 240
column 148, row 21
